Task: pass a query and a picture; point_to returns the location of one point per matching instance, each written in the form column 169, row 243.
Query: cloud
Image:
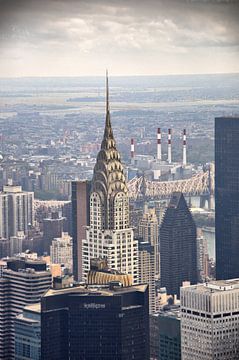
column 113, row 30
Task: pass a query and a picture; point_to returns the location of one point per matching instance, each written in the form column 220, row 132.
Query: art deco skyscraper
column 178, row 246
column 109, row 234
column 227, row 197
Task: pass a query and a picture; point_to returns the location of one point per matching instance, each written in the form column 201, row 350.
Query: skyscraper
column 96, row 324
column 109, row 234
column 210, row 321
column 28, row 333
column 52, row 228
column 16, row 210
column 149, row 232
column 227, row 197
column 147, row 271
column 178, row 246
column 165, row 334
column 80, row 219
column 22, row 283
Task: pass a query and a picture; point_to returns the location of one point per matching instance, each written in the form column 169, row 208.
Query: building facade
column 165, row 334
column 52, row 228
column 178, row 246
column 61, row 251
column 28, row 333
column 22, row 283
column 80, row 219
column 16, row 210
column 98, row 324
column 109, row 233
column 149, row 232
column 227, row 197
column 147, row 271
column 210, row 321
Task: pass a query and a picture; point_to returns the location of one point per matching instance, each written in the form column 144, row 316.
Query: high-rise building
column 16, row 243
column 109, row 233
column 227, row 197
column 28, row 333
column 4, row 247
column 149, row 232
column 16, row 210
column 80, row 219
column 165, row 334
column 210, row 321
column 147, row 271
column 22, row 283
column 178, row 246
column 109, row 323
column 52, row 228
column 61, row 251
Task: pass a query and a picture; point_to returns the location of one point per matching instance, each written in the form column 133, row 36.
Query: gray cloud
column 101, row 30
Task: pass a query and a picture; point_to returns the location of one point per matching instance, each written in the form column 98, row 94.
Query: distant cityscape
column 119, row 210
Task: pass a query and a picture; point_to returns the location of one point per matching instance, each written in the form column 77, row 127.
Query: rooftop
column 94, row 290
column 215, row 286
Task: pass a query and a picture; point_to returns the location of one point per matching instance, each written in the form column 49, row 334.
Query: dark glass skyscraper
column 79, row 323
column 227, row 197
column 178, row 246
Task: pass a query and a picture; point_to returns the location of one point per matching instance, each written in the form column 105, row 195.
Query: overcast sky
column 129, row 37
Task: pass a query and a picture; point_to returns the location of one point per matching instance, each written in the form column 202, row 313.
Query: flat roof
column 101, row 291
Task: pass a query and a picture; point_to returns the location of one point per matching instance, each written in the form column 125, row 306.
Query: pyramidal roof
column 108, row 178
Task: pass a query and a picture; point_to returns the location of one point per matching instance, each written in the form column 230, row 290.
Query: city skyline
column 58, row 38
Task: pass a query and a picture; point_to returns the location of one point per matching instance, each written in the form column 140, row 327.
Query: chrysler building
column 109, row 234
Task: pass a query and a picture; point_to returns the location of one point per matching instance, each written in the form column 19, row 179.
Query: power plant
column 157, row 168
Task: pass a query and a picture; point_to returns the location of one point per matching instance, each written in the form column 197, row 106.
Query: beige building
column 147, row 272
column 149, row 232
column 210, row 321
column 61, row 251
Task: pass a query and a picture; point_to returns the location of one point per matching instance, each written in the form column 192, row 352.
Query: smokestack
column 132, row 151
column 184, row 148
column 159, row 150
column 169, row 146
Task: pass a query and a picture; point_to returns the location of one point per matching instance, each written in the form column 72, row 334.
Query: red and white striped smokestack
column 132, row 151
column 169, row 146
column 159, row 150
column 184, row 148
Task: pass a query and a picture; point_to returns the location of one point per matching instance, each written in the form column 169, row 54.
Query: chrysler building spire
column 109, row 179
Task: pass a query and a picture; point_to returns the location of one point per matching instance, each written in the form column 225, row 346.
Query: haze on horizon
column 153, row 37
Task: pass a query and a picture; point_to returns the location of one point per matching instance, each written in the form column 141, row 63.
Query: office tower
column 147, row 271
column 4, row 247
column 80, row 200
column 80, row 323
column 100, row 274
column 210, row 321
column 4, row 230
column 165, row 334
column 178, row 246
column 16, row 210
column 52, row 228
column 28, row 333
column 109, row 234
column 203, row 263
column 227, row 197
column 149, row 232
column 16, row 243
column 61, row 251
column 22, row 283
